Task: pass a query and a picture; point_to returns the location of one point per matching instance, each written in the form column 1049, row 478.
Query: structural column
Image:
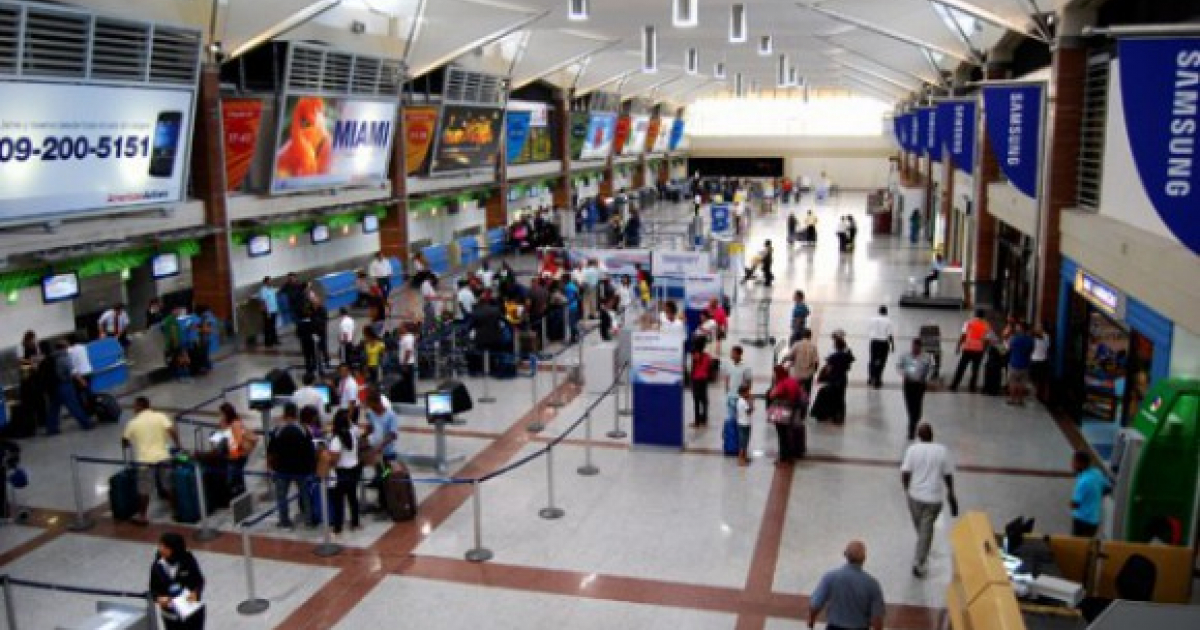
column 393, row 229
column 986, row 173
column 562, row 114
column 212, row 269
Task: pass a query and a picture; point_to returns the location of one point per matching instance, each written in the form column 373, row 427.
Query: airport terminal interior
column 840, row 314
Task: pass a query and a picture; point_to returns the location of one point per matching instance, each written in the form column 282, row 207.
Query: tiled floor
column 655, row 539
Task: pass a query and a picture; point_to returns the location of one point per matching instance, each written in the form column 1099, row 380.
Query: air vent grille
column 321, row 71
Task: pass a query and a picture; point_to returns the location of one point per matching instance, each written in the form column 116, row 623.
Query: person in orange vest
column 976, row 334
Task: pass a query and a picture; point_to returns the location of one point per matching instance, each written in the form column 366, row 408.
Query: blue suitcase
column 186, row 507
column 729, row 437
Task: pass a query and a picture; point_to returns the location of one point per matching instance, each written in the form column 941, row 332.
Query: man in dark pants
column 971, row 345
column 306, row 333
column 883, row 343
column 914, row 368
column 768, row 259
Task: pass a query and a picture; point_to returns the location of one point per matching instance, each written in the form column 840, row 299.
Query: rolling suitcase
column 106, row 408
column 729, row 437
column 186, row 507
column 123, row 494
column 397, row 494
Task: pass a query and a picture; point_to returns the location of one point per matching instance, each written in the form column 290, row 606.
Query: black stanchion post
column 82, row 522
column 10, row 605
column 487, row 397
column 152, row 611
column 555, row 400
column 550, row 512
column 537, row 425
column 478, row 553
column 588, row 469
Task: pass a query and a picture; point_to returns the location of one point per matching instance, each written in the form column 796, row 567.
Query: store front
column 1014, row 262
column 1113, row 347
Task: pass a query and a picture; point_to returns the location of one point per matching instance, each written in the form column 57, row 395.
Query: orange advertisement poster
column 420, row 128
column 623, row 127
column 652, row 133
column 241, row 119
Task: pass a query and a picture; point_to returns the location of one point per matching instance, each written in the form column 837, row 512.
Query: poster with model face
column 70, row 149
column 601, row 130
column 638, row 128
column 332, row 142
column 469, row 138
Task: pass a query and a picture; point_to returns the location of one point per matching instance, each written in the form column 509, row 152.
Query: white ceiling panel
column 550, row 50
column 450, row 28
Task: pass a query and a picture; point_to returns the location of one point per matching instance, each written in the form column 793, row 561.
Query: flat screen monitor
column 326, row 394
column 320, row 234
column 164, row 265
column 259, row 245
column 260, row 394
column 370, row 224
column 439, row 406
column 60, row 287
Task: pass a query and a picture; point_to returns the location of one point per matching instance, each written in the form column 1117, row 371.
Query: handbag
column 778, row 413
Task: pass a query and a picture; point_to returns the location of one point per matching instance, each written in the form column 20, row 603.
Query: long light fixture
column 765, row 45
column 650, row 49
column 693, row 61
column 685, row 13
column 579, row 10
column 782, row 78
column 793, row 77
column 719, row 70
column 739, row 87
column 737, row 24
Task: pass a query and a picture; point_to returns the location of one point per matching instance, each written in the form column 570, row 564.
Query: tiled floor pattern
column 654, row 540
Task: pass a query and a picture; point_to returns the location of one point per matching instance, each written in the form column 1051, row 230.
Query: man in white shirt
column 466, row 300
column 114, row 322
column 81, row 364
column 926, row 467
column 308, row 396
column 486, row 275
column 380, row 269
column 346, row 334
column 408, row 365
column 347, row 389
column 883, row 342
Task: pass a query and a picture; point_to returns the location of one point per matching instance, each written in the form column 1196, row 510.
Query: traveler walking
column 147, row 434
column 700, row 375
column 971, row 345
column 883, row 342
column 804, row 360
column 64, row 391
column 851, row 598
column 800, row 313
column 830, row 403
column 914, row 368
column 784, row 402
column 926, row 468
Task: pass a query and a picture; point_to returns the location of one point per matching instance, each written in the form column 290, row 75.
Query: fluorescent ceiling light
column 737, row 24
column 649, row 49
column 578, row 10
column 693, row 61
column 685, row 13
column 765, row 45
column 719, row 70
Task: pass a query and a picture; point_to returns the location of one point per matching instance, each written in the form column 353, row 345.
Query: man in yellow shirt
column 147, row 434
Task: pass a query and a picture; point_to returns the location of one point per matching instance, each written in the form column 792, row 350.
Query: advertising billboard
column 241, row 119
column 662, row 141
column 652, row 133
column 420, row 128
column 622, row 135
column 580, row 124
column 638, row 127
column 468, row 138
column 331, row 142
column 71, row 148
column 598, row 143
column 676, row 134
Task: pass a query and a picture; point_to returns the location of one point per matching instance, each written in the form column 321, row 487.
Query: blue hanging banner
column 1014, row 122
column 931, row 141
column 676, row 135
column 1160, row 89
column 898, row 128
column 516, row 125
column 956, row 123
column 914, row 132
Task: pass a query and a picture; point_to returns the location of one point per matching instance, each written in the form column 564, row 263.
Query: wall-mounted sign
column 1160, row 88
column 956, row 121
column 1101, row 294
column 65, row 149
column 516, row 125
column 469, row 138
column 331, row 142
column 638, row 128
column 676, row 135
column 241, row 119
column 580, row 123
column 1014, row 120
column 420, row 128
column 598, row 143
column 652, row 134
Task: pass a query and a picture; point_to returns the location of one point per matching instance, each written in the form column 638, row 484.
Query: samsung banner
column 956, row 123
column 921, row 124
column 330, row 142
column 676, row 134
column 1014, row 120
column 932, row 142
column 517, row 132
column 71, row 148
column 1160, row 91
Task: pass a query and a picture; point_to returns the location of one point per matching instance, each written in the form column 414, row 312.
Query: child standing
column 745, row 407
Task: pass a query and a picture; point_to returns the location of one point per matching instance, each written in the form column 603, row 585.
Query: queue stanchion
column 151, row 612
column 555, row 402
column 253, row 604
column 327, row 547
column 588, row 469
column 10, row 605
column 206, row 531
column 537, row 426
column 82, row 522
column 617, row 433
column 478, row 553
column 487, row 368
column 551, row 511
column 545, row 354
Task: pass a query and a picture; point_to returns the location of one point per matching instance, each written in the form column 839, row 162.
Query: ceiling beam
column 481, row 42
column 967, row 57
column 599, row 84
column 566, row 63
column 283, row 27
column 875, row 90
column 937, row 79
column 962, row 6
column 878, row 75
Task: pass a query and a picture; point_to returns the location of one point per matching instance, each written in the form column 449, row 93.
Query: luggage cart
column 762, row 325
column 931, row 344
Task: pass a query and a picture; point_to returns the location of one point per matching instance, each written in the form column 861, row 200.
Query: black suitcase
column 397, row 495
column 22, row 422
column 123, row 494
column 106, row 408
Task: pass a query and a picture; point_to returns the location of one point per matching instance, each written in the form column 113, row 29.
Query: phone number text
column 52, row 148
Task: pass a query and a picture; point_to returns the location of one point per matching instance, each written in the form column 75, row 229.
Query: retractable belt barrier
column 7, row 582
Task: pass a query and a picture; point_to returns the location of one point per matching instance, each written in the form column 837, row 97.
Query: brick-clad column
column 987, row 171
column 639, row 173
column 212, row 269
column 562, row 114
column 1064, row 116
column 393, row 228
column 496, row 208
column 947, row 203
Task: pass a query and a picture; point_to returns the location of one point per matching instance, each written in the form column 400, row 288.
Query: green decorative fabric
column 111, row 262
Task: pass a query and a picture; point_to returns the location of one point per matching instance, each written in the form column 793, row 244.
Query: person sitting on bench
column 935, row 270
